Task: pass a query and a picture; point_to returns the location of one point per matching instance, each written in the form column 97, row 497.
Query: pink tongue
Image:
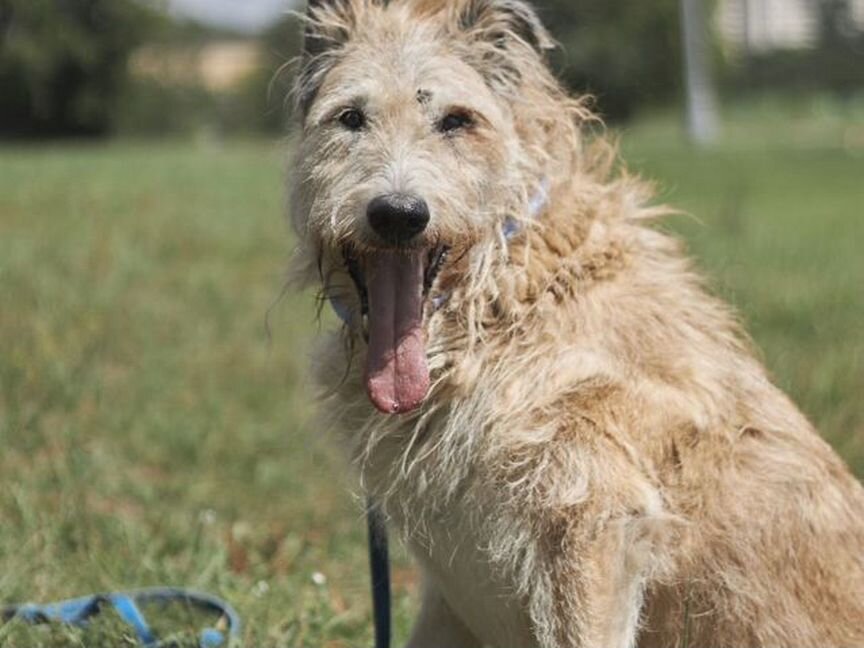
column 397, row 377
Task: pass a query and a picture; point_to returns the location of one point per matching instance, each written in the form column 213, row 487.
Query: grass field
column 152, row 432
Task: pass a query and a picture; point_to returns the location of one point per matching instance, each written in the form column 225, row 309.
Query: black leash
column 379, row 567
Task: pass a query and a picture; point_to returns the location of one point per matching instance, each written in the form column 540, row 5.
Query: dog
column 571, row 435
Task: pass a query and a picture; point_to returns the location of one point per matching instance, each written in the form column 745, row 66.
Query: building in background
column 218, row 66
column 755, row 26
column 857, row 14
column 759, row 26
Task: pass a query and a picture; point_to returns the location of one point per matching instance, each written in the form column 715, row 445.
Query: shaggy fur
column 600, row 462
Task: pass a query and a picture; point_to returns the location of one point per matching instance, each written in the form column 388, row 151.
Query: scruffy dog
column 572, row 436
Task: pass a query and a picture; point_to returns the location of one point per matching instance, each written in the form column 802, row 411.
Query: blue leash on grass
column 79, row 611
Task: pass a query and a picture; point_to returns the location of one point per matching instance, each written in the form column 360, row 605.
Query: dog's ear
column 505, row 38
column 328, row 26
column 505, row 23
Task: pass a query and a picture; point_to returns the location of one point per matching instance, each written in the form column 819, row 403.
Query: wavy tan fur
column 601, row 462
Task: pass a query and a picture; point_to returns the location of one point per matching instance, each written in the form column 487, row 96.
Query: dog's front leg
column 437, row 626
column 590, row 594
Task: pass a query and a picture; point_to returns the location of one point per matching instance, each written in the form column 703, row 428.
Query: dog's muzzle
column 398, row 218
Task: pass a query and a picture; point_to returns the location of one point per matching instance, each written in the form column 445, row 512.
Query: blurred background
column 91, row 68
column 155, row 421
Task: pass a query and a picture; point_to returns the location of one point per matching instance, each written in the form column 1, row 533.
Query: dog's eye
column 352, row 119
column 454, row 121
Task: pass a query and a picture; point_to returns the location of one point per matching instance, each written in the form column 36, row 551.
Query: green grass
column 152, row 433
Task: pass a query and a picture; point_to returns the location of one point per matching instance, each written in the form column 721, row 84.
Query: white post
column 702, row 120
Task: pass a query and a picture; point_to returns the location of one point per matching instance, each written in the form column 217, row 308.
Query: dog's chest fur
column 451, row 553
column 466, row 484
column 446, row 525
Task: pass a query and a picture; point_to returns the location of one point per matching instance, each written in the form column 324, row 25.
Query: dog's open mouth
column 393, row 285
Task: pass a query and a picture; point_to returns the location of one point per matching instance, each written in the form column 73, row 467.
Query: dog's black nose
column 398, row 218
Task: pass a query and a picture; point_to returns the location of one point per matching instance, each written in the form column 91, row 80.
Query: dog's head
column 426, row 125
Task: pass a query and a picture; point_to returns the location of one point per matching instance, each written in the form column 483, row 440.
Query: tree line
column 64, row 65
